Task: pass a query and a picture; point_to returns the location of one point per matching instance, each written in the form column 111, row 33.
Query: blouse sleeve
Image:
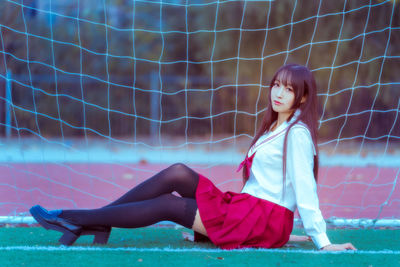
column 300, row 163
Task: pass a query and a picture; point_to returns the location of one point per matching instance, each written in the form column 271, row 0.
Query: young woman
column 279, row 174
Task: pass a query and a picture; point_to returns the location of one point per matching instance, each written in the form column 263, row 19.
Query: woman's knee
column 178, row 167
column 180, row 170
column 182, row 179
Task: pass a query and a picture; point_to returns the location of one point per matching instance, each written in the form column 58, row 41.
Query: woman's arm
column 300, row 155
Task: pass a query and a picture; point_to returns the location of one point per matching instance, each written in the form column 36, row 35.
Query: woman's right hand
column 339, row 247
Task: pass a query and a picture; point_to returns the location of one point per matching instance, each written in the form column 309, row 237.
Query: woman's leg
column 198, row 225
column 177, row 177
column 146, row 204
column 166, row 207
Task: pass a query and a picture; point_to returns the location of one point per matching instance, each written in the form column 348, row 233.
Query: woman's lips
column 277, row 103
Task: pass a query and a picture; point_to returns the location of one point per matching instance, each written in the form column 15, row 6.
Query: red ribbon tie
column 246, row 164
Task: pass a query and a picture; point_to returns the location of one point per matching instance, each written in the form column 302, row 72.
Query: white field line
column 181, row 250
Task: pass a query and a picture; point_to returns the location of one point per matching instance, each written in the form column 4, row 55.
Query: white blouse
column 266, row 176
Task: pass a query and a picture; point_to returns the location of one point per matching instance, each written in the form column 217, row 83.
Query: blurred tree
column 211, row 60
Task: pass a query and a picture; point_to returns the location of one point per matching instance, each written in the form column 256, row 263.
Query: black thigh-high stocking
column 178, row 177
column 147, row 203
column 166, row 207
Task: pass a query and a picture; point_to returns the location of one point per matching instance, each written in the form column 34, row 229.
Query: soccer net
column 96, row 98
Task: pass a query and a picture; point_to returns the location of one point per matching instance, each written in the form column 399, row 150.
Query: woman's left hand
column 299, row 238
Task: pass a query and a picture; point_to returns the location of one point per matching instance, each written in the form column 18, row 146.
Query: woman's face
column 282, row 97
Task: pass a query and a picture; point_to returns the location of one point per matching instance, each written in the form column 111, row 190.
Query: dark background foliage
column 112, row 68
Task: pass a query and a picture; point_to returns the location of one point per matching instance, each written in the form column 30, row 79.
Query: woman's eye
column 289, row 89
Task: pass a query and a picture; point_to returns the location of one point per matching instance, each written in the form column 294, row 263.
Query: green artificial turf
column 374, row 247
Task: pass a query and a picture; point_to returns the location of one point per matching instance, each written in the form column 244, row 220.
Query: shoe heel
column 100, row 237
column 67, row 239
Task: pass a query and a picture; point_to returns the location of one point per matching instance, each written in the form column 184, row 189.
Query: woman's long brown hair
column 303, row 83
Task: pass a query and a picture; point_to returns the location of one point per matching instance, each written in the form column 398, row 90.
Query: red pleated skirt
column 239, row 220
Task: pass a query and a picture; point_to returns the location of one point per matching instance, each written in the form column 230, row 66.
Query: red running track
column 362, row 192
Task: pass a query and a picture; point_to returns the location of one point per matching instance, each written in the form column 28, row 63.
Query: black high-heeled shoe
column 71, row 232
